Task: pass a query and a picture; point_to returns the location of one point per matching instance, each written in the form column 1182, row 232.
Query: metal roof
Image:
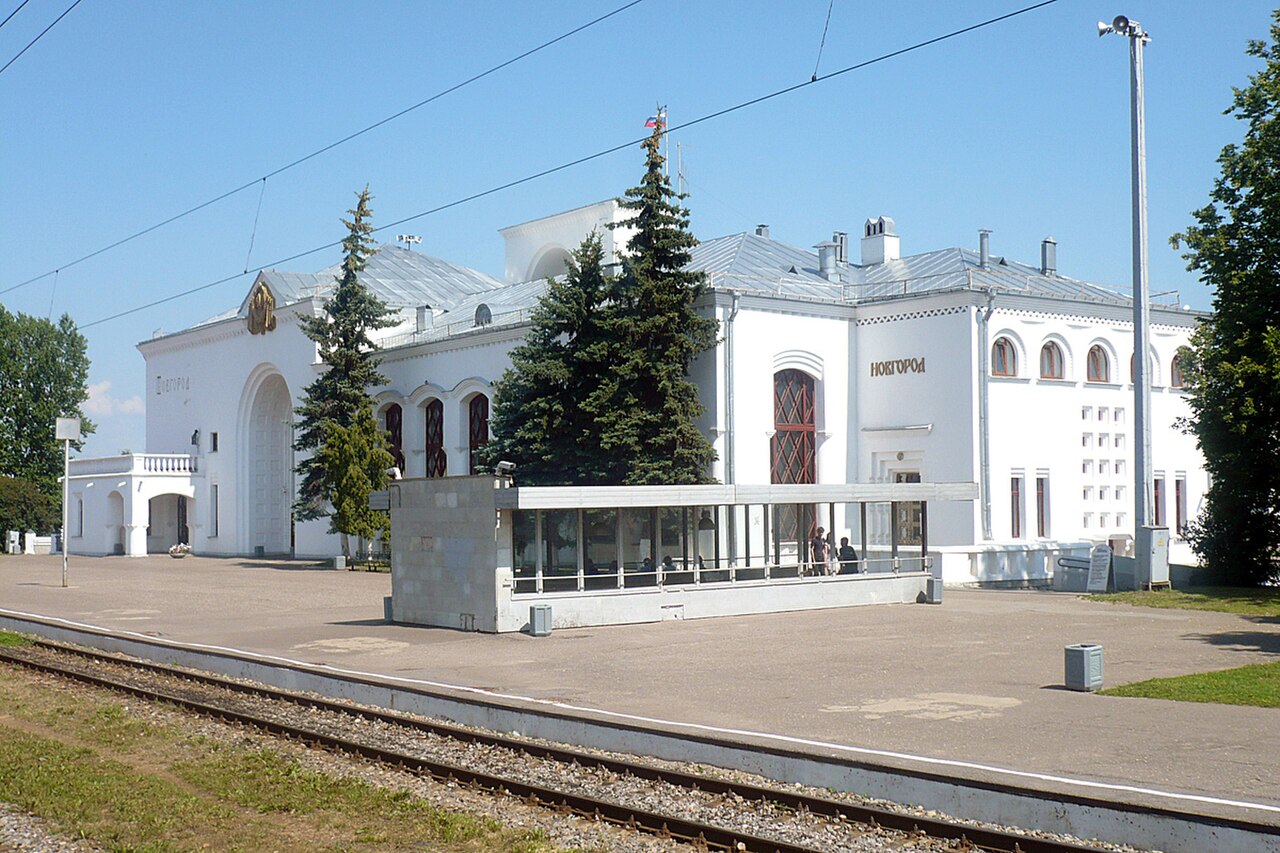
column 749, row 262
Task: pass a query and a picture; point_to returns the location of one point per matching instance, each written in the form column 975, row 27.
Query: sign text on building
column 173, row 383
column 894, row 366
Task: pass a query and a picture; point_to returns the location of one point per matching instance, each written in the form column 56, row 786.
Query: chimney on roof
column 879, row 241
column 425, row 319
column 984, row 247
column 841, row 239
column 1048, row 256
column 762, row 231
column 827, row 260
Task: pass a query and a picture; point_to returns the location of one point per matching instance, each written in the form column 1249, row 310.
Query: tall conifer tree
column 646, row 413
column 538, row 420
column 337, row 402
column 1233, row 369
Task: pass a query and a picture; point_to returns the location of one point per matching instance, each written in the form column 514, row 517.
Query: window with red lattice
column 478, row 417
column 437, row 460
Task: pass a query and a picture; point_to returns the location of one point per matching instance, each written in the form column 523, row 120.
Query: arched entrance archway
column 115, row 522
column 270, row 468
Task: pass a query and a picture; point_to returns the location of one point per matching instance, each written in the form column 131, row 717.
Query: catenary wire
column 455, row 87
column 14, row 12
column 596, row 156
column 37, row 38
column 823, row 42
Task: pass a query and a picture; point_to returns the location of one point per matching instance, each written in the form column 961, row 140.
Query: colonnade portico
column 129, row 483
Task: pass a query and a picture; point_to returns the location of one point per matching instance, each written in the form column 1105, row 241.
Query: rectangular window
column 1180, row 504
column 213, row 505
column 1119, row 493
column 1119, row 442
column 1119, row 415
column 1086, row 412
column 1104, row 467
column 1102, row 520
column 1102, row 413
column 1087, row 493
column 1042, row 506
column 1104, row 440
column 1086, row 467
column 1158, row 502
column 1119, row 467
column 213, row 442
column 1085, row 520
column 1015, row 499
column 1103, row 493
column 1086, row 439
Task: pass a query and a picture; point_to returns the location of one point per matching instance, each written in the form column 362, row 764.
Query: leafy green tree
column 352, row 463
column 339, row 396
column 44, row 371
column 646, row 413
column 538, row 418
column 1232, row 373
column 24, row 507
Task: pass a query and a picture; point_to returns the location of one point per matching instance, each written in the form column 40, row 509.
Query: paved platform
column 976, row 680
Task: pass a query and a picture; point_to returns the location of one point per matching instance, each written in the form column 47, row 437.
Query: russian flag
column 655, row 121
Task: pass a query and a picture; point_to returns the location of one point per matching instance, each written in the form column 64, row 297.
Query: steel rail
column 875, row 817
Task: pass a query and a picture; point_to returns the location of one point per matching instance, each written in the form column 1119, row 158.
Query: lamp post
column 1142, row 477
column 67, row 430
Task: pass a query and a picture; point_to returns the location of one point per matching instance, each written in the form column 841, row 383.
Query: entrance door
column 908, row 520
column 270, row 468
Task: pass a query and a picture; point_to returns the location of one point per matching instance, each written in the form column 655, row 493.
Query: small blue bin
column 1084, row 667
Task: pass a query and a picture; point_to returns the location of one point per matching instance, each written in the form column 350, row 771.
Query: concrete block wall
column 444, row 551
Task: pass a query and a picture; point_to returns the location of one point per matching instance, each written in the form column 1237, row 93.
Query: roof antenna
column 409, row 240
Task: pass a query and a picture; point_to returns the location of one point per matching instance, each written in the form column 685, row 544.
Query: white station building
column 950, row 366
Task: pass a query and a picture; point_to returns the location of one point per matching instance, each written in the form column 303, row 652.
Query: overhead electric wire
column 455, row 87
column 14, row 12
column 823, row 42
column 597, row 155
column 37, row 38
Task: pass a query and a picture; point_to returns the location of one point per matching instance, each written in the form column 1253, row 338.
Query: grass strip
column 1243, row 600
column 100, row 771
column 8, row 638
column 1256, row 684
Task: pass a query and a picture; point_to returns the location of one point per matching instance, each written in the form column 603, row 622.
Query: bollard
column 1083, row 667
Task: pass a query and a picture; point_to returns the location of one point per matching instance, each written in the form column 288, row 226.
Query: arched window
column 1051, row 361
column 1004, row 359
column 793, row 459
column 478, row 418
column 1176, row 379
column 793, row 449
column 437, row 461
column 1099, row 367
column 394, row 419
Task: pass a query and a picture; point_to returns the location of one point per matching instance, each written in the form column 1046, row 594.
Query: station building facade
column 954, row 365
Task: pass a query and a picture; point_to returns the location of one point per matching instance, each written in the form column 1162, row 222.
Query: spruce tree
column 352, row 463
column 538, row 418
column 1232, row 373
column 339, row 397
column 646, row 412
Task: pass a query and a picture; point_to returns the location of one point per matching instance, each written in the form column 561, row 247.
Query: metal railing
column 445, row 330
column 642, row 578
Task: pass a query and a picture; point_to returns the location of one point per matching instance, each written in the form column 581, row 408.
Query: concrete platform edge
column 1142, row 821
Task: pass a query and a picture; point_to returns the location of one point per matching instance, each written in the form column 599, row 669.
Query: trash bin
column 1083, row 667
column 540, row 620
column 933, row 590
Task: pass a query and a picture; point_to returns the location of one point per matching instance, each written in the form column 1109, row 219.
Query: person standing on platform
column 818, row 552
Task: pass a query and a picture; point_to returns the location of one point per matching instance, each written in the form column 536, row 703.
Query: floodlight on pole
column 66, row 430
column 1142, row 497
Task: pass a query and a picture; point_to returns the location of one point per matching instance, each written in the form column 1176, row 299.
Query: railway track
column 48, row 657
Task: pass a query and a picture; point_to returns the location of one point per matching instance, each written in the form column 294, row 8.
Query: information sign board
column 1099, row 568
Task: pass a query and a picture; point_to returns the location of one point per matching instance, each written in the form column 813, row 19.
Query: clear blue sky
column 128, row 112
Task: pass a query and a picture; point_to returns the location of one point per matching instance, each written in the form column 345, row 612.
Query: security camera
column 505, row 468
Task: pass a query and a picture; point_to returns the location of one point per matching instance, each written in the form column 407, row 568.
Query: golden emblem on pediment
column 262, row 307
